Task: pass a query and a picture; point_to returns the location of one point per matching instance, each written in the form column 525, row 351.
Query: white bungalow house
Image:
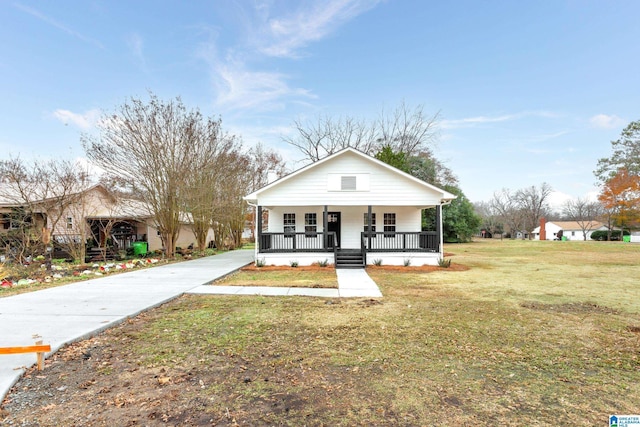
column 349, row 209
column 571, row 230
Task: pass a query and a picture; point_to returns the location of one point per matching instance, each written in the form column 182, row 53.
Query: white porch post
column 439, row 228
column 258, row 234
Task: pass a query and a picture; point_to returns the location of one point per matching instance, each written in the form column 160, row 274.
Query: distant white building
column 571, row 230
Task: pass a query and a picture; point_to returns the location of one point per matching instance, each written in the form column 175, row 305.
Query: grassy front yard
column 534, row 333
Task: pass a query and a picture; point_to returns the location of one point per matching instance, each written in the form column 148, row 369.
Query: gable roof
column 575, row 225
column 446, row 197
column 10, row 195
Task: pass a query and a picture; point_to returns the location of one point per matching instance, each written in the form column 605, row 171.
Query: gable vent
column 348, row 183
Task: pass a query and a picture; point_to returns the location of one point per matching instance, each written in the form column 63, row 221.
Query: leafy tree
column 626, row 154
column 621, row 195
column 396, row 159
column 459, row 219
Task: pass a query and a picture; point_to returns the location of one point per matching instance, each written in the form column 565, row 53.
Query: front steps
column 349, row 258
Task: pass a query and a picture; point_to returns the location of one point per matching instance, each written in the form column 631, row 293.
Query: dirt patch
column 370, row 302
column 97, row 382
column 574, row 307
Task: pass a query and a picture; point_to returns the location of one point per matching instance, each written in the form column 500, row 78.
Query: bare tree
column 584, row 213
column 152, row 147
column 264, row 165
column 213, row 156
column 492, row 221
column 533, row 201
column 264, row 162
column 327, row 135
column 42, row 193
column 229, row 208
column 506, row 208
column 404, row 130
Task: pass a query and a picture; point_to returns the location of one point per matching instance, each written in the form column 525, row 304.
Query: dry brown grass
column 299, row 277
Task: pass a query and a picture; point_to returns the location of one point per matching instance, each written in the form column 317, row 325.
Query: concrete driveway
column 65, row 314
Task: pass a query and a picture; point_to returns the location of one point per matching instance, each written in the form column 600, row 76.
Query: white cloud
column 479, row 120
column 557, row 199
column 33, row 12
column 240, row 88
column 136, row 44
column 604, row 121
column 240, row 85
column 282, row 37
column 84, row 120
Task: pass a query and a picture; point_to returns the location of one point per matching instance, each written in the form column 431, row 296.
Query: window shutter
column 348, row 183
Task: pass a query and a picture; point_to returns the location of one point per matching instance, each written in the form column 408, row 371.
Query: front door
column 333, row 224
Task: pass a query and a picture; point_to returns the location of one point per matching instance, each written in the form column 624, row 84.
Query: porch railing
column 297, row 242
column 401, row 241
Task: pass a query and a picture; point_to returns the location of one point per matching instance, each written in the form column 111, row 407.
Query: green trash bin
column 139, row 248
column 626, row 239
column 564, row 238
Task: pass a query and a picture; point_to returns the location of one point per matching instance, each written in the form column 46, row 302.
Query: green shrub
column 407, row 262
column 260, row 262
column 603, row 234
column 293, row 263
column 323, row 263
column 444, row 263
column 377, row 262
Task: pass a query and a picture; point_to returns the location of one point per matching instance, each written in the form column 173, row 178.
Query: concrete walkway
column 73, row 312
column 351, row 283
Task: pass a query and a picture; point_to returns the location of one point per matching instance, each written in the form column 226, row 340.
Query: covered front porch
column 346, row 236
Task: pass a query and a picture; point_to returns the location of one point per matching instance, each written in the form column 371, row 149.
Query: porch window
column 389, row 224
column 289, row 222
column 69, row 223
column 373, row 222
column 310, row 224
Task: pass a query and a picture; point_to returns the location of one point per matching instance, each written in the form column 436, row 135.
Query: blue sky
column 528, row 92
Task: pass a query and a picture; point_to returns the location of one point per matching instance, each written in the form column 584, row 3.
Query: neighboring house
column 522, row 235
column 349, row 209
column 125, row 221
column 95, row 214
column 570, row 229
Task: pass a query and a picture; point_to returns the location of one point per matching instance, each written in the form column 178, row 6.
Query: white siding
column 311, row 187
column 386, row 258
